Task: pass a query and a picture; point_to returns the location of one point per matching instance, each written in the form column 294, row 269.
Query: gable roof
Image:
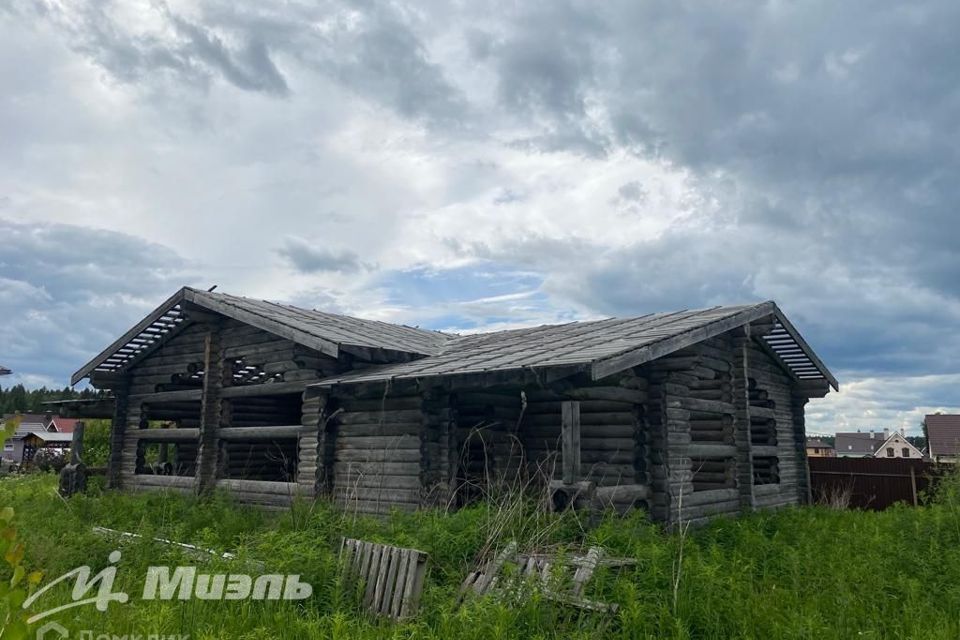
column 894, row 436
column 943, row 434
column 25, row 429
column 601, row 347
column 64, row 425
column 817, row 443
column 859, row 442
column 326, row 332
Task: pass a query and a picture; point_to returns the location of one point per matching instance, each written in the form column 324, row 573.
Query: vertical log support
column 741, row 419
column 312, row 473
column 210, row 411
column 121, row 393
column 570, row 440
column 76, row 444
column 798, row 408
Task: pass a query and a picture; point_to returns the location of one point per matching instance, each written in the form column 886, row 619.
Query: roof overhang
column 172, row 316
column 789, row 347
column 783, row 342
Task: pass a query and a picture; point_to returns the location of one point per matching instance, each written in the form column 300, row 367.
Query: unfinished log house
column 686, row 415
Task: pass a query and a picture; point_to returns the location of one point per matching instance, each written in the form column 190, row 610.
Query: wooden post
column 805, row 487
column 76, row 444
column 570, row 438
column 741, row 418
column 210, row 411
column 913, row 486
column 73, row 477
column 121, row 393
column 311, row 472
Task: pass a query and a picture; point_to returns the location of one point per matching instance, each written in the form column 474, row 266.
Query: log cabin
column 687, row 414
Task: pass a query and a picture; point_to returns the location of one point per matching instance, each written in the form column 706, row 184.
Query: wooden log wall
column 252, row 356
column 135, row 422
column 779, row 463
column 613, row 436
column 438, row 448
column 376, row 446
column 310, row 465
column 118, row 428
column 172, row 365
column 693, row 426
column 248, row 357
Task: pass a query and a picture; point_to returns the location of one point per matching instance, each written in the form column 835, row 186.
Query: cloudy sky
column 490, row 164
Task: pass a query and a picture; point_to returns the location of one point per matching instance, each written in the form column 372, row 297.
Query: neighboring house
column 34, row 431
column 817, row 448
column 859, row 444
column 943, row 437
column 688, row 414
column 897, row 446
column 875, row 444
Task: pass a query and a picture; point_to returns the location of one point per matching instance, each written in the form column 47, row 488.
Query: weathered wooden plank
column 570, row 440
column 164, row 435
column 263, row 432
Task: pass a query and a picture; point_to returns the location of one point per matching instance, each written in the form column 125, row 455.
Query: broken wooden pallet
column 549, row 571
column 392, row 577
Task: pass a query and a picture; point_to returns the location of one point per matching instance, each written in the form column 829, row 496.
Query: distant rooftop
column 943, row 434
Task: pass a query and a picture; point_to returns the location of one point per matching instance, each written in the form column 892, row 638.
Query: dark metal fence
column 871, row 483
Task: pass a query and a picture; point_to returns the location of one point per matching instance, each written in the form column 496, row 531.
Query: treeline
column 19, row 398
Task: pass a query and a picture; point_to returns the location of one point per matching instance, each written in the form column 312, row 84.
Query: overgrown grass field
column 807, row 572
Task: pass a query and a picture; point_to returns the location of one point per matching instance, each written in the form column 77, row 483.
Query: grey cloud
column 309, row 257
column 369, row 49
column 68, row 291
column 191, row 52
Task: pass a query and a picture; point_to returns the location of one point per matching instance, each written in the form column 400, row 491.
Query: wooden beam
column 570, row 439
column 181, row 434
column 263, row 433
column 210, row 411
column 241, row 391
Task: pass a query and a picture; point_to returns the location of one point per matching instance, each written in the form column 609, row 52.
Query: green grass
column 797, row 573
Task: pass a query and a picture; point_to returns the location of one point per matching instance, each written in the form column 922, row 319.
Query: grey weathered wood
column 166, row 435
column 210, row 412
column 608, row 366
column 392, row 577
column 263, row 432
column 585, row 571
column 570, row 438
column 137, row 329
column 703, row 450
column 117, row 430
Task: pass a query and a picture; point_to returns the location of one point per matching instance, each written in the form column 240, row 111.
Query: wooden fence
column 871, row 483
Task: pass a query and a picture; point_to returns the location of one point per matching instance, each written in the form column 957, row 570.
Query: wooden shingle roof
column 943, row 434
column 325, row 332
column 601, row 347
